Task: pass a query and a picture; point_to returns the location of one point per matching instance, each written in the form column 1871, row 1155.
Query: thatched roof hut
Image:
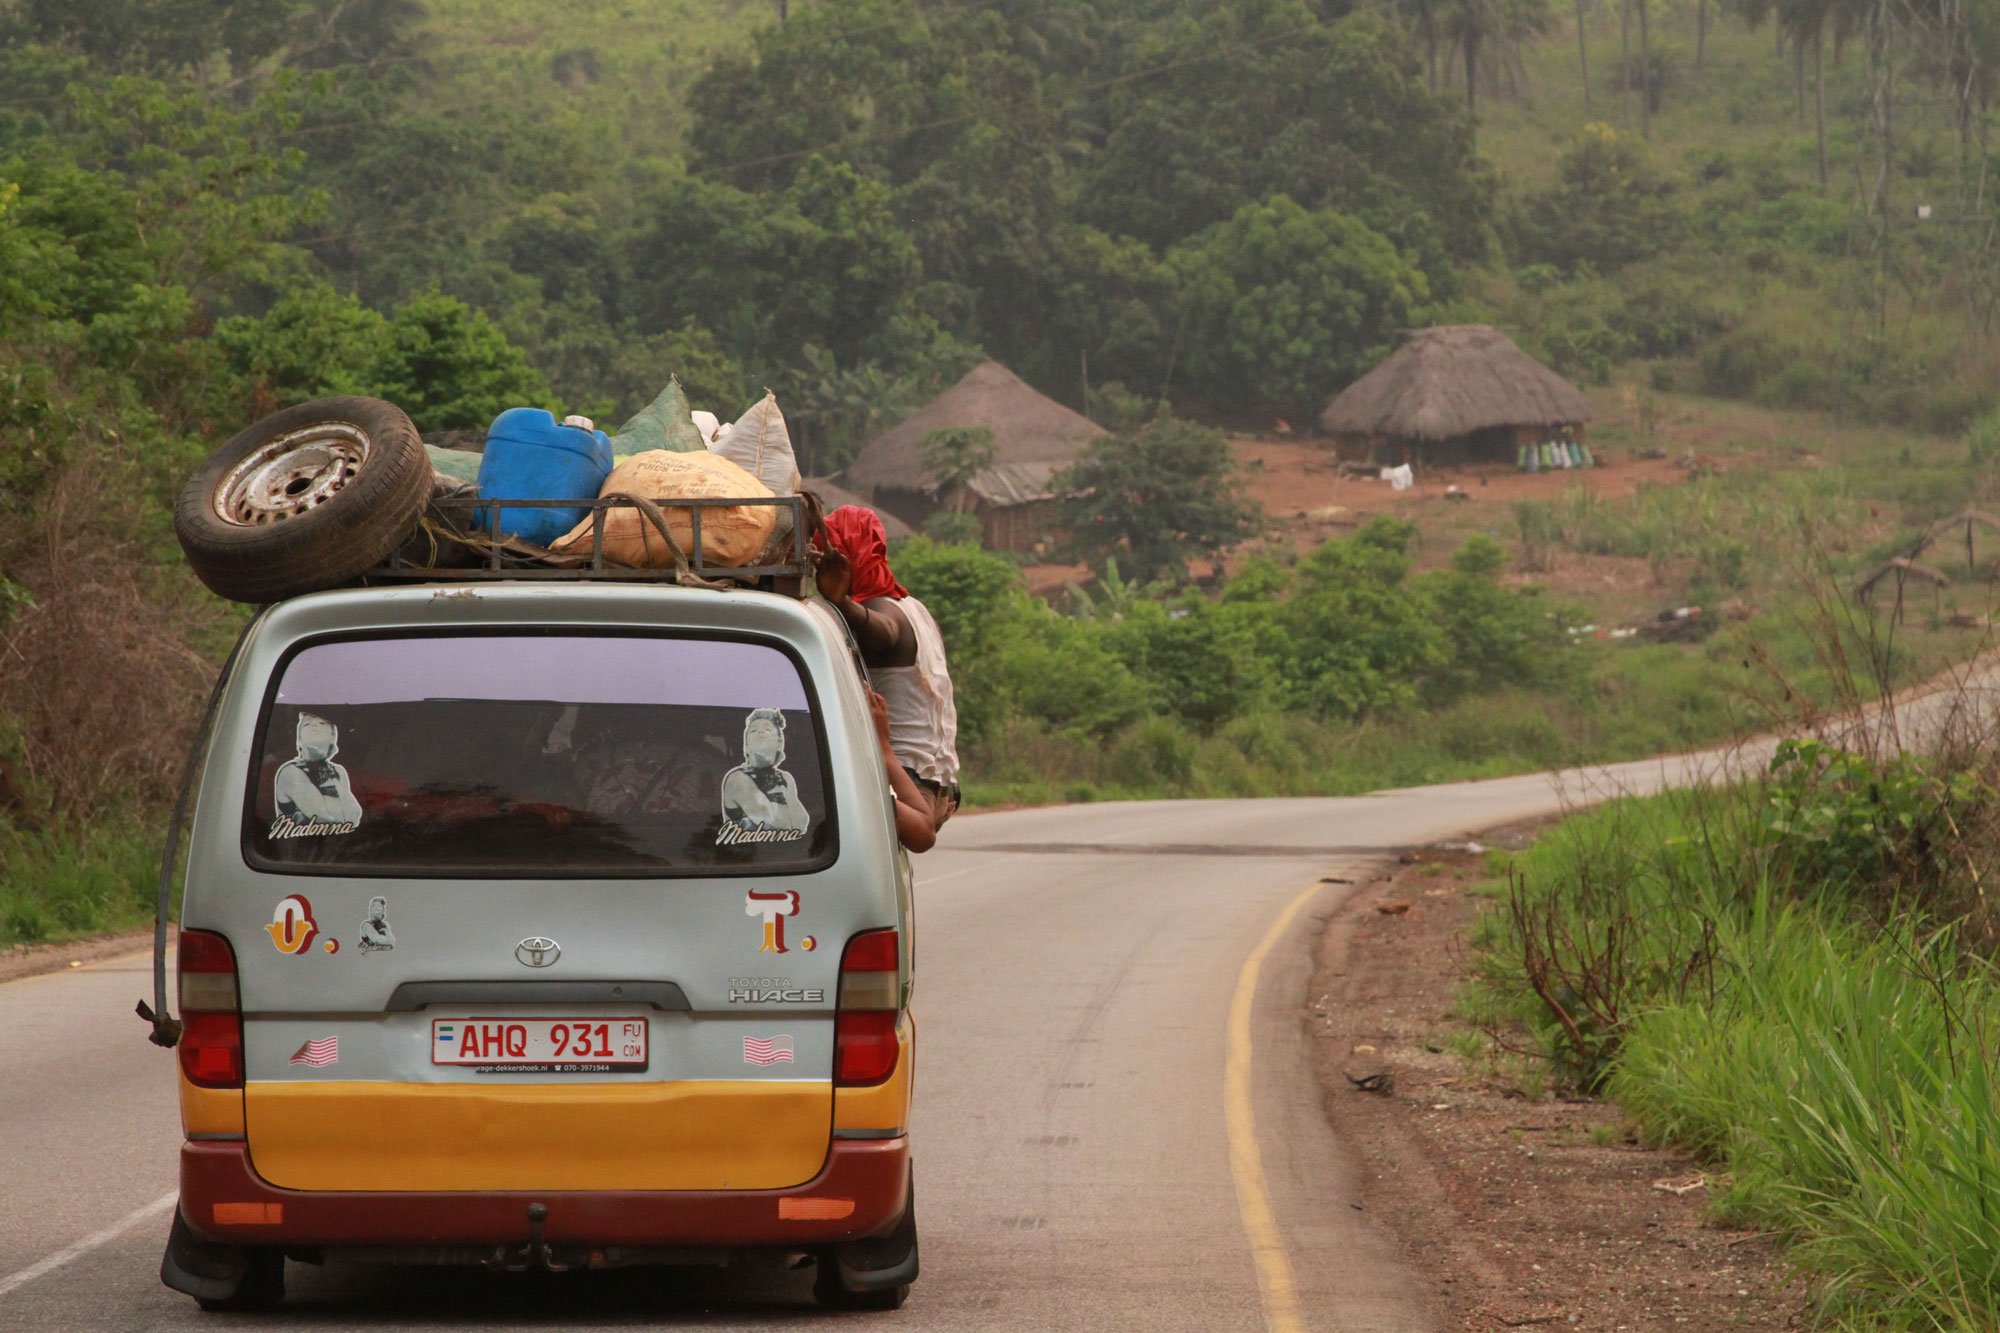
column 1034, row 438
column 832, row 496
column 1459, row 389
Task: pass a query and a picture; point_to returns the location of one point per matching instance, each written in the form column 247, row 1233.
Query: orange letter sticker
column 292, row 926
column 774, row 908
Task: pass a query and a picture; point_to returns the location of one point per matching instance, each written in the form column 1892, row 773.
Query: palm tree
column 1583, row 55
column 1474, row 25
column 1804, row 21
column 1645, row 76
column 1421, row 18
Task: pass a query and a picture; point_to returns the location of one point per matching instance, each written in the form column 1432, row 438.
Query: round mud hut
column 1460, row 393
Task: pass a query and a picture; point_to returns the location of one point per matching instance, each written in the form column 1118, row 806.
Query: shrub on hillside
column 1608, row 206
column 1982, row 442
column 449, row 367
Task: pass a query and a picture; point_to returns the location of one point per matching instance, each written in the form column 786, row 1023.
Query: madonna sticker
column 375, row 933
column 312, row 793
column 760, row 800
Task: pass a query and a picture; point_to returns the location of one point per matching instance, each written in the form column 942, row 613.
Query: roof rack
column 452, row 524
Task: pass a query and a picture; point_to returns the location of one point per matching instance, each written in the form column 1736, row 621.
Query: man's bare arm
column 914, row 828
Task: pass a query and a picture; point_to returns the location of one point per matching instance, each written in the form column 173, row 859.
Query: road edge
column 23, row 961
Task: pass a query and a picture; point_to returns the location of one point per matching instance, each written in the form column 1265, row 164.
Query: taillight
column 871, row 1000
column 211, row 1045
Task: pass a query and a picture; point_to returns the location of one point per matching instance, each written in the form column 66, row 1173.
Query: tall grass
column 63, row 881
column 1847, row 1080
column 1792, row 977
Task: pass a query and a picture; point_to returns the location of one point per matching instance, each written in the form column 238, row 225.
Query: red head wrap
column 857, row 534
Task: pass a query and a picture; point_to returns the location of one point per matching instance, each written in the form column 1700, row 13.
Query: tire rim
column 292, row 475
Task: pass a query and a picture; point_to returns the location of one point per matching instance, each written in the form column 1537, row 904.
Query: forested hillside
column 1230, row 210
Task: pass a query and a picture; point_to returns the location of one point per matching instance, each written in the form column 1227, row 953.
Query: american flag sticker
column 767, row 1050
column 319, row 1053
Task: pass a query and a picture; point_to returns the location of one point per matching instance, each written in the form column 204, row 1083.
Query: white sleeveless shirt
column 923, row 720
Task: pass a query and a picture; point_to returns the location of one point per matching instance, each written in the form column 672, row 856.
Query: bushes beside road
column 1344, row 673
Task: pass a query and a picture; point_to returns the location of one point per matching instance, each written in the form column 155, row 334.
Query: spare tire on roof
column 308, row 498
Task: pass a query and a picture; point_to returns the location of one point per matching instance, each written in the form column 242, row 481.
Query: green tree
column 449, row 367
column 1280, row 306
column 1061, row 673
column 1493, row 635
column 315, row 342
column 1155, row 498
column 1267, row 97
column 1358, row 640
column 1607, row 207
column 159, row 35
column 822, row 263
column 1202, row 663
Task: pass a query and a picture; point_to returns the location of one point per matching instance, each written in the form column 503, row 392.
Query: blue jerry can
column 532, row 456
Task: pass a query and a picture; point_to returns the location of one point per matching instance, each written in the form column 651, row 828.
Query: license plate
column 540, row 1045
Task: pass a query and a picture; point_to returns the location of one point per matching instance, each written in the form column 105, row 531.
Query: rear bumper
column 860, row 1192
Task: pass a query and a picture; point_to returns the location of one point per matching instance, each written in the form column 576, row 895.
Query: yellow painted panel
column 538, row 1136
column 887, row 1104
column 210, row 1110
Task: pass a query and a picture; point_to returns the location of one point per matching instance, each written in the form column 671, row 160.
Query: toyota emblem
column 537, row 951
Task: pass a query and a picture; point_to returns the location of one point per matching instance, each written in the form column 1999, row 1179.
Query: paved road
column 1103, row 1142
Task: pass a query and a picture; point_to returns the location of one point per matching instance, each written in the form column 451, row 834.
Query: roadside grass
column 1792, row 978
column 61, row 882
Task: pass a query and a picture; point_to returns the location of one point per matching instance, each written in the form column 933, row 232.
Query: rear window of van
column 555, row 755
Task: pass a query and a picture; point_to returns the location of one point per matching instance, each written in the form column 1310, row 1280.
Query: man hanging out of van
column 902, row 649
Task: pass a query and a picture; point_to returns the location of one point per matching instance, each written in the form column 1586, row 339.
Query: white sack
column 759, row 444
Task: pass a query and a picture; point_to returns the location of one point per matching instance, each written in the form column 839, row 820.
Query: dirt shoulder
column 1521, row 1211
column 27, row 960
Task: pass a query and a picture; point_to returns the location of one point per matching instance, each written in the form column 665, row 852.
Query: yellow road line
column 1246, row 1159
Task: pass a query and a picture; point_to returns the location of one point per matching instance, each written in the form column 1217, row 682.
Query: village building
column 1455, row 394
column 1034, row 439
column 832, row 495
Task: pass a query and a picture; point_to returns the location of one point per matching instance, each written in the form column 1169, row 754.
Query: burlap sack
column 730, row 534
column 663, row 423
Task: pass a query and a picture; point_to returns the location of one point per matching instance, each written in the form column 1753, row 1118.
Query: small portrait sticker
column 375, row 933
column 760, row 800
column 313, row 796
